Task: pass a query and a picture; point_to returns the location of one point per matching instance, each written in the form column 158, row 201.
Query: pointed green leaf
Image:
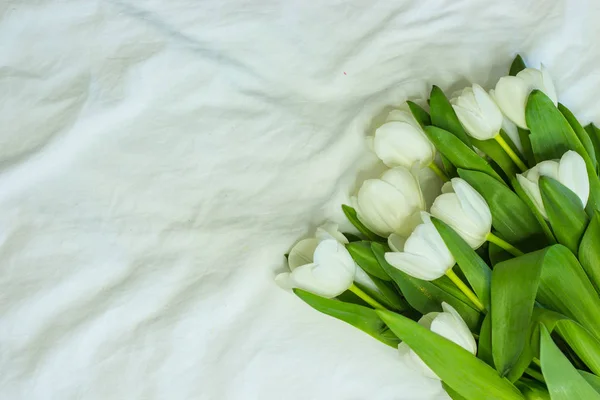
column 511, row 216
column 526, row 143
column 452, row 393
column 477, row 272
column 594, row 135
column 426, row 296
column 517, row 66
column 458, row 153
column 363, row 318
column 532, row 389
column 363, row 255
column 484, row 346
column 353, row 218
column 552, row 136
column 421, row 116
column 449, row 168
column 562, row 379
column 583, row 136
column 384, row 293
column 460, row 370
column 589, row 251
column 577, row 300
column 565, row 212
column 444, row 117
column 514, row 287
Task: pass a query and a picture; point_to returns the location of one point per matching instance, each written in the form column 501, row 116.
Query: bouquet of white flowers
column 478, row 253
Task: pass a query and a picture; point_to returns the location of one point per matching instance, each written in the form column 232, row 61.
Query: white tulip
column 478, row 113
column 512, row 92
column 424, row 255
column 569, row 170
column 391, row 203
column 509, row 127
column 320, row 265
column 448, row 324
column 401, row 141
column 465, row 211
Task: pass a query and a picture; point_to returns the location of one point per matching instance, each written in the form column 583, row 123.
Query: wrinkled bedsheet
column 158, row 158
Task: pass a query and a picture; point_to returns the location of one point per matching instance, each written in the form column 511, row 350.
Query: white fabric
column 158, row 158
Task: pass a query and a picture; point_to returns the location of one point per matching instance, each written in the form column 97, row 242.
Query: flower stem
column 465, row 289
column 368, row 299
column 433, row 166
column 513, row 156
column 504, row 244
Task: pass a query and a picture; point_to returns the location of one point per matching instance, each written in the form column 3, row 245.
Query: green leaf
column 511, row 216
column 421, row 116
column 552, row 136
column 594, row 135
column 484, row 346
column 449, row 168
column 577, row 300
column 443, row 116
column 581, row 133
column 580, row 341
column 426, row 296
column 353, row 218
column 591, row 379
column 562, row 379
column 496, row 153
column 363, row 255
column 477, row 272
column 363, row 318
column 514, row 287
column 517, row 66
column 526, row 143
column 452, row 393
column 460, row 370
column 589, row 251
column 565, row 212
column 458, row 153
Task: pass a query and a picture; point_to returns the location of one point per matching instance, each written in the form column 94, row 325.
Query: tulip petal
column 548, row 83
column 331, row 253
column 489, row 108
column 285, row 281
column 473, row 204
column 330, row 281
column 426, row 242
column 302, row 253
column 430, row 184
column 416, row 266
column 448, row 208
column 330, row 230
column 426, row 320
column 367, row 205
column 405, row 181
column 511, row 96
column 533, row 192
column 450, row 325
column 400, row 143
column 414, row 362
column 396, row 242
column 475, row 125
column 572, row 173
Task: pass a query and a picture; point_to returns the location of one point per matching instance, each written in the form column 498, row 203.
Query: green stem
column 368, row 299
column 535, row 375
column 513, row 156
column 504, row 244
column 465, row 289
column 433, row 166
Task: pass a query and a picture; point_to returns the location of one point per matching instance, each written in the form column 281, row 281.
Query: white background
column 157, row 159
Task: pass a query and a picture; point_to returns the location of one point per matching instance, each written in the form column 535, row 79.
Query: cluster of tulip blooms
column 477, row 253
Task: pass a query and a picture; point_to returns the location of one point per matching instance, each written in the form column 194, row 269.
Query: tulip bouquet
column 477, row 253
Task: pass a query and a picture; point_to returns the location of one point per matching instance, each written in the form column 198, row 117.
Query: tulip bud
column 569, row 170
column 401, row 141
column 478, row 113
column 391, row 203
column 465, row 211
column 448, row 324
column 320, row 265
column 512, row 92
column 423, row 255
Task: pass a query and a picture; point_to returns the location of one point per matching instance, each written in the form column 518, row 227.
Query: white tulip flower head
column 478, row 113
column 570, row 170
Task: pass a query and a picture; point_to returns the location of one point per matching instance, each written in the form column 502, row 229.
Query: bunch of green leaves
column 539, row 334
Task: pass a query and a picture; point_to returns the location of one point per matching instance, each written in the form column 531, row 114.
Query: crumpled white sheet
column 159, row 157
